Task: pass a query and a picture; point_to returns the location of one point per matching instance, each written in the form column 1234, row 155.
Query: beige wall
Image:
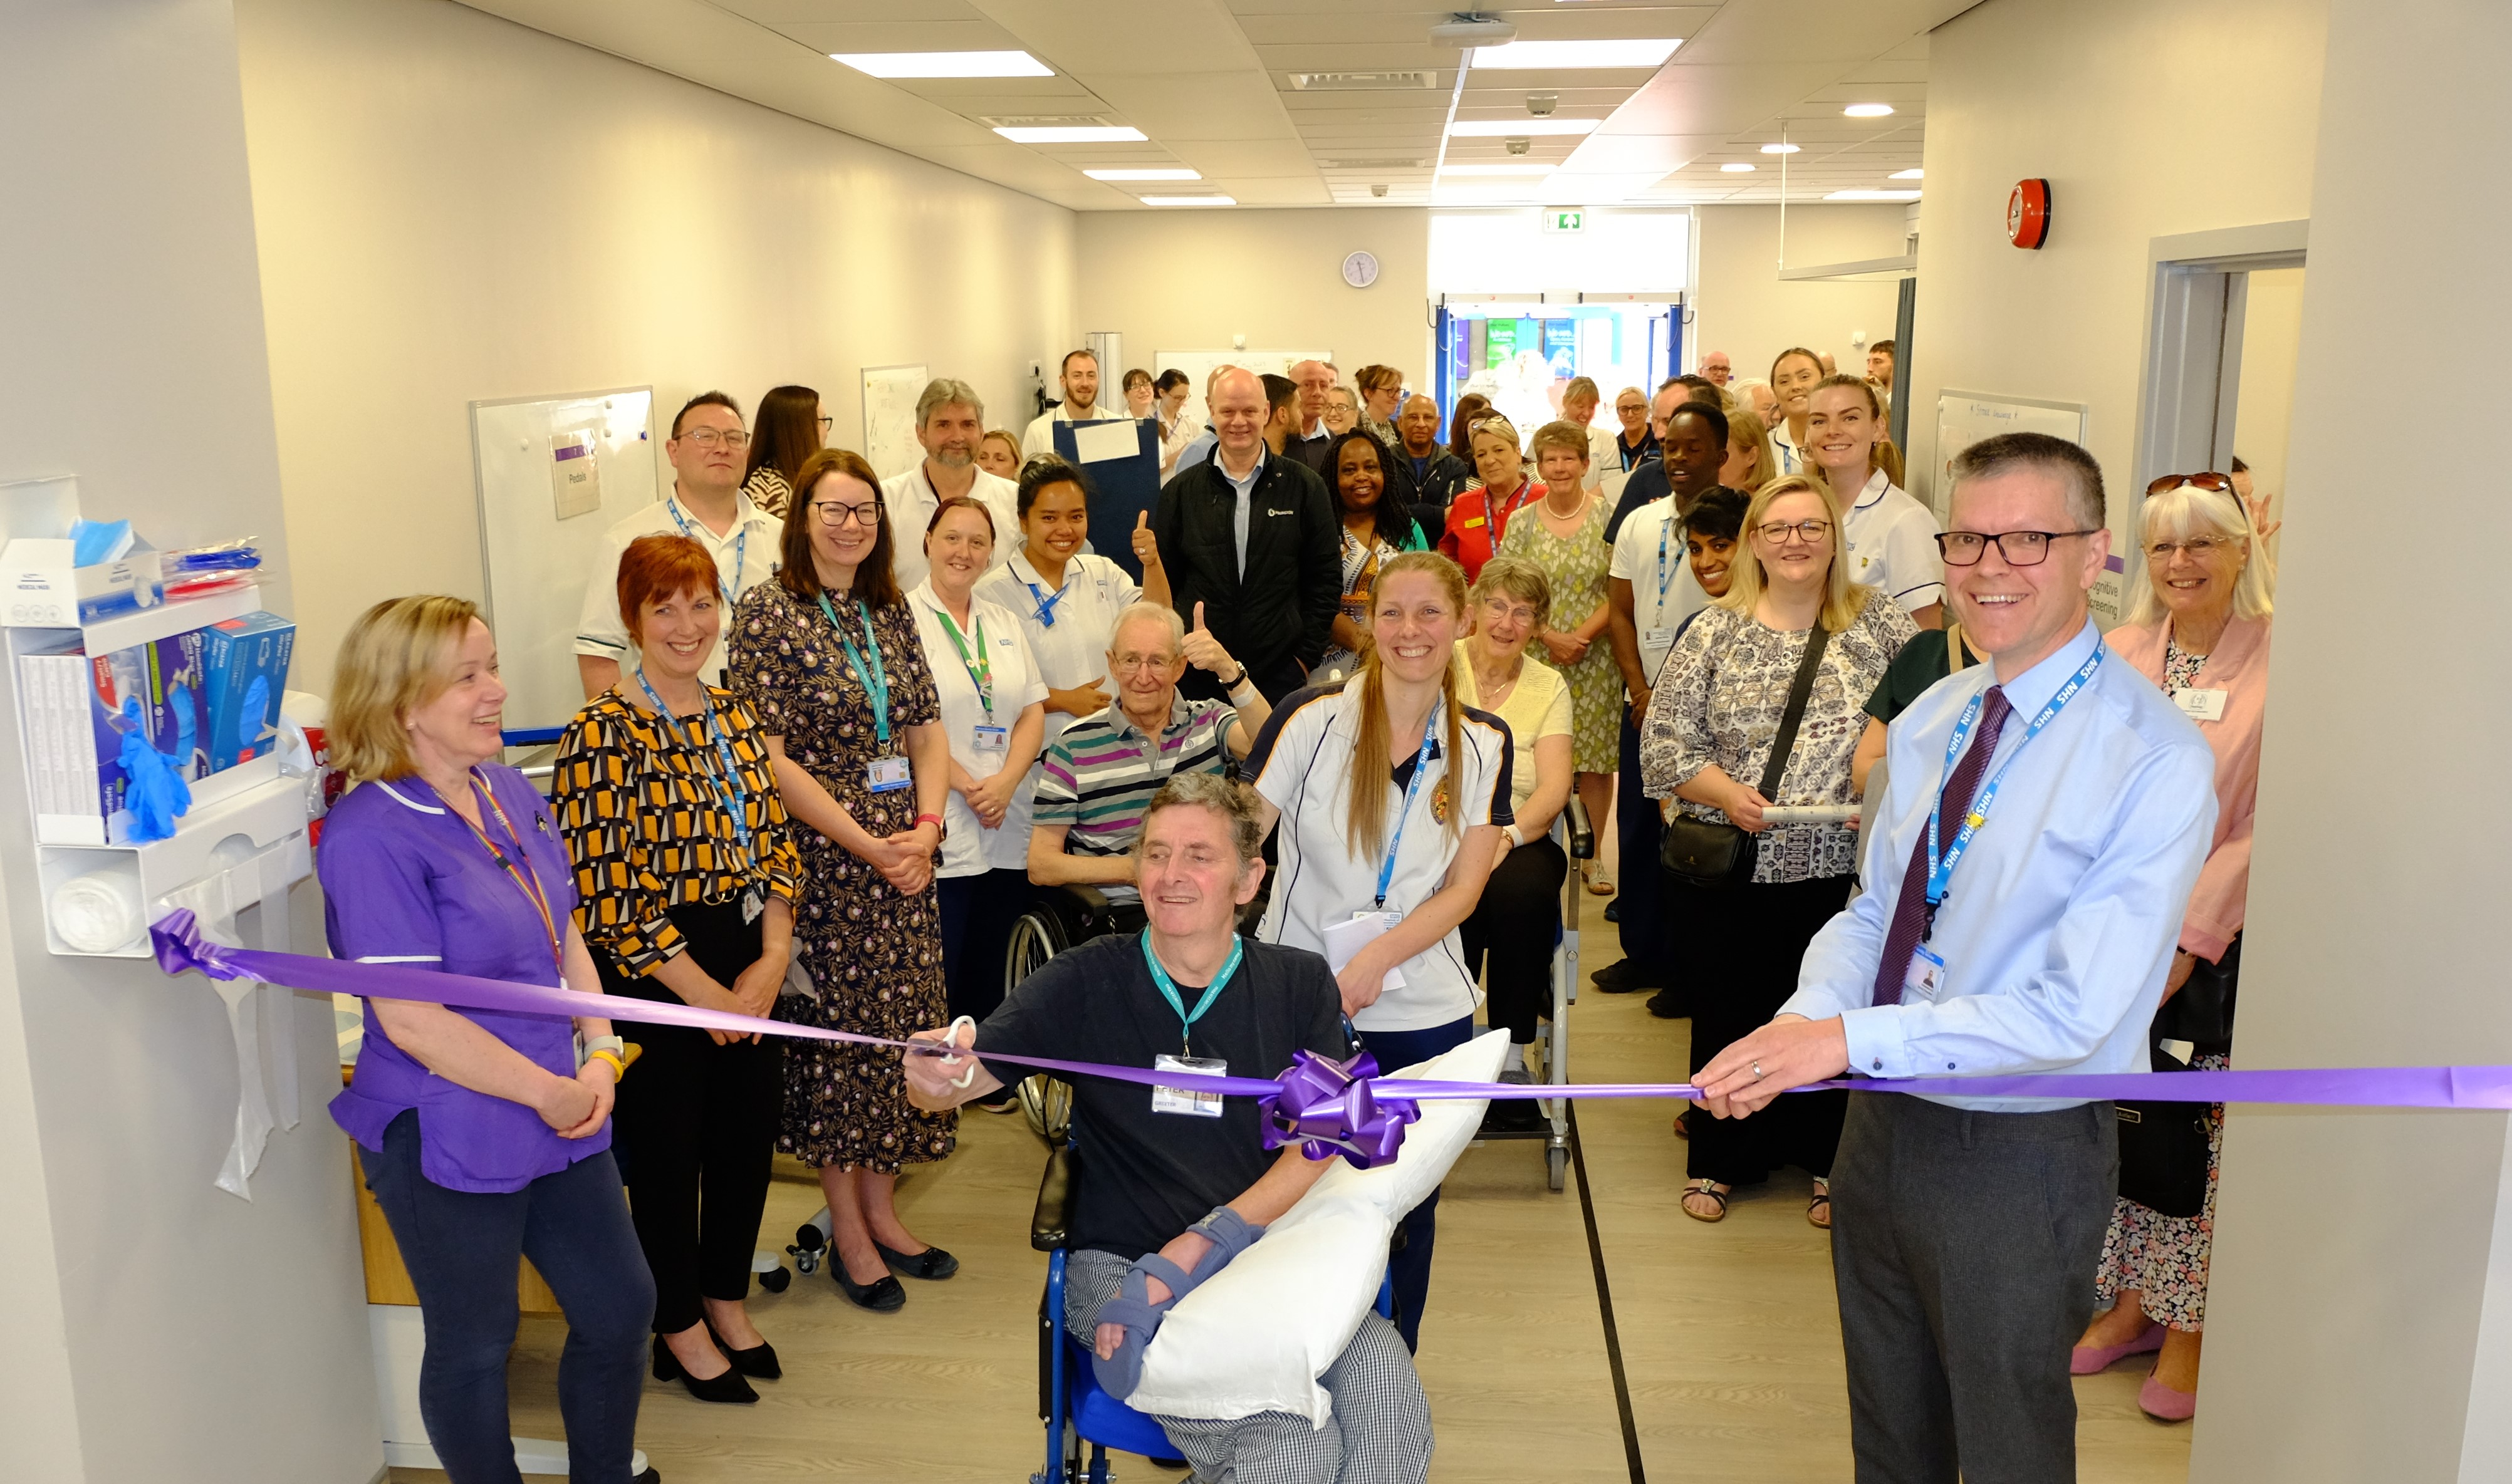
column 1743, row 308
column 1193, row 280
column 158, row 1328
column 2067, row 322
column 452, row 208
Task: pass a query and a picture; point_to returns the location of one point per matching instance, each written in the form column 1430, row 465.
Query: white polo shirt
column 745, row 556
column 1649, row 554
column 1892, row 541
column 910, row 499
column 1301, row 764
column 1792, row 459
column 1071, row 650
column 969, row 848
column 1602, row 457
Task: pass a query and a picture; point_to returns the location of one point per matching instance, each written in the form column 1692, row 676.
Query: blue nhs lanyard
column 1940, row 871
column 1412, row 785
column 1167, row 987
column 1665, row 573
column 741, row 554
column 724, row 750
column 1046, row 602
column 877, row 684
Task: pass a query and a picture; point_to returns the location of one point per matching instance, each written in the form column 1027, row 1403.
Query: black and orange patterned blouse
column 648, row 821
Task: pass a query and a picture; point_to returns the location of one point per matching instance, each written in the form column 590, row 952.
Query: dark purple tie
column 1910, row 911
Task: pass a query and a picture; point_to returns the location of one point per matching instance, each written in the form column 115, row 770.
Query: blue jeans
column 1410, row 1268
column 461, row 1250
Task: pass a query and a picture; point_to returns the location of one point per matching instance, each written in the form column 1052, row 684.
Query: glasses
column 826, row 422
column 2221, row 483
column 2200, row 548
column 2020, row 548
column 1129, row 664
column 831, row 513
column 710, row 437
column 1500, row 608
column 1783, row 532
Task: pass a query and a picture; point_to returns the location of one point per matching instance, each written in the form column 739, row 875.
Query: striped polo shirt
column 1097, row 779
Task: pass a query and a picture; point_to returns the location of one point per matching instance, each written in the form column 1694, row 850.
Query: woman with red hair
column 685, row 876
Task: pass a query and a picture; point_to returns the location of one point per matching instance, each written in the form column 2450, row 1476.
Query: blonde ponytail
column 1366, row 821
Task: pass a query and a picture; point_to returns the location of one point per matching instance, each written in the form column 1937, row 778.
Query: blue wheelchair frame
column 1076, row 1410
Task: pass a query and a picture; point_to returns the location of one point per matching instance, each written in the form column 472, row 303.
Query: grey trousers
column 1380, row 1432
column 1960, row 1244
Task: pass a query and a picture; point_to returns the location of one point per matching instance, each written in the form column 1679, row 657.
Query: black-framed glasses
column 831, row 513
column 2020, row 548
column 1781, row 533
column 826, row 423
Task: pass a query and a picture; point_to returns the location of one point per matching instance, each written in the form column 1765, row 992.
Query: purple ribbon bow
column 1327, row 1107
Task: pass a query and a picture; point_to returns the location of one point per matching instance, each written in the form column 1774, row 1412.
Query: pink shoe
column 2164, row 1404
column 2090, row 1361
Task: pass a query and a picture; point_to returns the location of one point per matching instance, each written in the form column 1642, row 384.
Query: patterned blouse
column 648, row 821
column 1720, row 698
column 768, row 490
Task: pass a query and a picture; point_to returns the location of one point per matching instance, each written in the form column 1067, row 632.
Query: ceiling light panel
column 1564, row 54
column 1365, row 82
column 1872, row 196
column 1908, row 175
column 1781, row 150
column 1189, row 201
column 905, row 65
column 1164, row 173
column 1088, row 134
column 1868, row 111
column 1510, row 128
column 1737, row 170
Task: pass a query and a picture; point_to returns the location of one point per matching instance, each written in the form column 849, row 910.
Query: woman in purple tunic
column 483, row 1137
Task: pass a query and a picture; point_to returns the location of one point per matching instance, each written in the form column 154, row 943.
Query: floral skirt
column 2164, row 1258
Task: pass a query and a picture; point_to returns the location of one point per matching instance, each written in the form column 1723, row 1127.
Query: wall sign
column 1361, row 269
column 2027, row 214
column 1565, row 218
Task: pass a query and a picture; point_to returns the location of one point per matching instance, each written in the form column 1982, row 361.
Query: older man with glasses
column 708, row 448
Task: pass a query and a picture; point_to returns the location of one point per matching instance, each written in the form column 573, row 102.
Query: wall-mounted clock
column 1361, row 269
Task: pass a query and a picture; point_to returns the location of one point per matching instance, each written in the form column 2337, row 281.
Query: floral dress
column 2164, row 1258
column 1576, row 565
column 1361, row 557
column 875, row 956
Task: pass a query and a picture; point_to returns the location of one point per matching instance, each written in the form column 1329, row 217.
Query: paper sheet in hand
column 1099, row 441
column 1345, row 939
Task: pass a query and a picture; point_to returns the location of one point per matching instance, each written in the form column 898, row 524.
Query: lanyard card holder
column 1180, row 1100
column 887, row 775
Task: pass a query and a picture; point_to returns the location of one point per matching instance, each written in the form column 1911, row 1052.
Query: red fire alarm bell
column 2027, row 214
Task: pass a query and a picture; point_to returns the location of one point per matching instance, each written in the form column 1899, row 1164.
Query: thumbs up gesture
column 1204, row 652
column 1146, row 547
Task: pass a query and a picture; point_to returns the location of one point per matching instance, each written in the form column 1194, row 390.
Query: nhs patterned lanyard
column 1940, row 871
column 741, row 554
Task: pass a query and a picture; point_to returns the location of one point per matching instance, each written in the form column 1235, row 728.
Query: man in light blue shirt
column 1965, row 1230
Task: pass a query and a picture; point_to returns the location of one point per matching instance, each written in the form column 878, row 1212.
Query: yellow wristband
column 618, row 1062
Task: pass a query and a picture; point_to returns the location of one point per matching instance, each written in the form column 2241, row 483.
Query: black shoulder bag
column 1716, row 854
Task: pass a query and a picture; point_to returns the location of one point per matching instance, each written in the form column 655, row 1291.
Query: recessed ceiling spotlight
column 1501, row 128
column 944, row 63
column 1782, row 149
column 1102, row 133
column 1190, row 200
column 1575, row 54
column 1178, row 173
column 1736, row 170
column 1872, row 196
column 1908, row 175
column 1869, row 110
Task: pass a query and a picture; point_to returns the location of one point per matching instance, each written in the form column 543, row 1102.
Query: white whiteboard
column 1198, row 364
column 534, row 564
column 889, row 393
column 1964, row 418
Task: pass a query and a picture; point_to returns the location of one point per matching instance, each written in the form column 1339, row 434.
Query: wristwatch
column 1232, row 685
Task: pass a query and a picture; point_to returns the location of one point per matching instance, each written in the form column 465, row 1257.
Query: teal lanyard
column 739, row 802
column 1167, row 987
column 1940, row 871
column 876, row 685
column 1412, row 785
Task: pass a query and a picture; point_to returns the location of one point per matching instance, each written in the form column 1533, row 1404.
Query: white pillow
column 1257, row 1335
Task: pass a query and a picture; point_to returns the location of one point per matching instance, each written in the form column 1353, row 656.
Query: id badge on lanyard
column 1180, row 1100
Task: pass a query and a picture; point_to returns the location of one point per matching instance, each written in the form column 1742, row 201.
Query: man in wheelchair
column 1095, row 780
column 1173, row 1183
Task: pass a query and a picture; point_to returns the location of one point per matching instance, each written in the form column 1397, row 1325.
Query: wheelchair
column 1058, row 919
column 1080, row 1416
column 1577, row 837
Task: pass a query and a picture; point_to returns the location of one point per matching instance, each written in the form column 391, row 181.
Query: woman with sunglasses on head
column 2198, row 628
column 1479, row 517
column 1375, row 528
column 791, row 429
column 1890, row 537
column 828, row 657
column 1718, row 709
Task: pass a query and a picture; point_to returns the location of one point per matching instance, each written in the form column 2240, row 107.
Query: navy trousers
column 1409, row 1269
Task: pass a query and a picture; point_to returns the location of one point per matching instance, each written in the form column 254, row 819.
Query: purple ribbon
column 1331, row 1106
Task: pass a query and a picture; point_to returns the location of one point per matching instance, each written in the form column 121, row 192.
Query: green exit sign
column 1565, row 218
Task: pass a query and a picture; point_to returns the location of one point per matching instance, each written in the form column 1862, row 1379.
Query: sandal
column 1599, row 885
column 1709, row 1188
column 1818, row 1208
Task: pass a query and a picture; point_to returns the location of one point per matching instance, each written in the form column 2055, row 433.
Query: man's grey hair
column 1150, row 613
column 2073, row 467
column 943, row 391
column 1235, row 803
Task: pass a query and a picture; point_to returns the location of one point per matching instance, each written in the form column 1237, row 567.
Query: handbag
column 1711, row 852
column 2163, row 1149
column 2201, row 1013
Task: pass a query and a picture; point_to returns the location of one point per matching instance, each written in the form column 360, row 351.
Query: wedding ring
column 1757, row 1072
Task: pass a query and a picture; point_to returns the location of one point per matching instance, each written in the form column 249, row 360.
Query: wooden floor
column 1728, row 1335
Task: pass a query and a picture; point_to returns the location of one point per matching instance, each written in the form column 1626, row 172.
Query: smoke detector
column 1542, row 104
column 1467, row 28
column 1378, row 190
column 1517, row 146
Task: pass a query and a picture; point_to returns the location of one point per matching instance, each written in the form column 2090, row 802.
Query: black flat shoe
column 1624, row 977
column 882, row 1296
column 759, row 1362
column 931, row 1265
column 728, row 1387
column 649, row 1476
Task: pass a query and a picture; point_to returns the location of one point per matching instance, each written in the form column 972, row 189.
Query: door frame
column 2197, row 289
